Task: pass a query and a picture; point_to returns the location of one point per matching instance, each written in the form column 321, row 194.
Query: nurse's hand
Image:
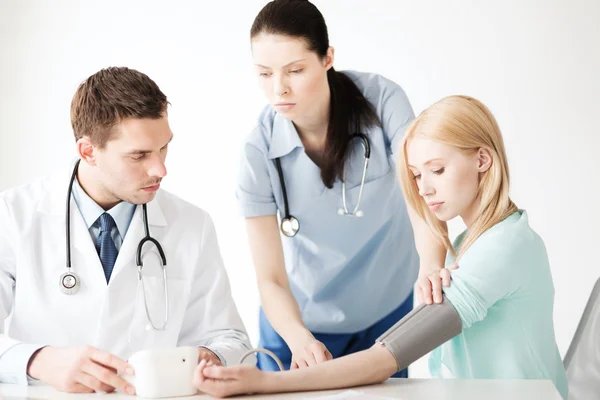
column 430, row 283
column 80, row 370
column 308, row 352
column 229, row 381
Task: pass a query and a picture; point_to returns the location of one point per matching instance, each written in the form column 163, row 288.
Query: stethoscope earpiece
column 357, row 214
column 367, row 147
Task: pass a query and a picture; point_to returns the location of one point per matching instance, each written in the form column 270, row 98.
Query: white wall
column 534, row 63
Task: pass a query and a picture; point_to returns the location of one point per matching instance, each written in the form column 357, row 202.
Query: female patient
column 496, row 321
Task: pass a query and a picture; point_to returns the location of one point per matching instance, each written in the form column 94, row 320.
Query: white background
column 534, row 63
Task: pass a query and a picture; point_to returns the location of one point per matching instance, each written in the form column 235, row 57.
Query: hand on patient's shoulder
column 430, row 283
column 80, row 370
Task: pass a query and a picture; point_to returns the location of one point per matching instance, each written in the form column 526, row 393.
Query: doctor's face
column 447, row 178
column 292, row 77
column 132, row 164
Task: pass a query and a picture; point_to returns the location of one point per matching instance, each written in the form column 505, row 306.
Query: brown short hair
column 111, row 95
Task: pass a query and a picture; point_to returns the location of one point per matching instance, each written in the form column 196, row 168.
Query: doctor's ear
column 484, row 159
column 85, row 150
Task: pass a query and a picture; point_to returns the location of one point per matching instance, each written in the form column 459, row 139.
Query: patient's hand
column 229, row 381
column 430, row 283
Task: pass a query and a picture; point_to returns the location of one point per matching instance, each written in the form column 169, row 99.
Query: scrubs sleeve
column 396, row 114
column 254, row 191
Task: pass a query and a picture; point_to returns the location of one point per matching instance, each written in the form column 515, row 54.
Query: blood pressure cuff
column 420, row 331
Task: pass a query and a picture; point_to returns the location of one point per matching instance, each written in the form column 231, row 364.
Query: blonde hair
column 467, row 124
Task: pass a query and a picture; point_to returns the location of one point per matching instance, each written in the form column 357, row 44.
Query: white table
column 406, row 389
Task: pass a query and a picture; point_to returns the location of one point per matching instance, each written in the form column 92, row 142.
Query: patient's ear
column 484, row 159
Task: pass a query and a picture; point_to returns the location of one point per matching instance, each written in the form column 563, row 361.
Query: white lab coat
column 32, row 259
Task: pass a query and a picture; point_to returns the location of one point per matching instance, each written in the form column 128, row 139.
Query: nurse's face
column 132, row 164
column 447, row 177
column 293, row 79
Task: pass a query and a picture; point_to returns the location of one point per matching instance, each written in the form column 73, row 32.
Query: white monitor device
column 164, row 372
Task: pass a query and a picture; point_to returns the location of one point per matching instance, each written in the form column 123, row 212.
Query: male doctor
column 76, row 337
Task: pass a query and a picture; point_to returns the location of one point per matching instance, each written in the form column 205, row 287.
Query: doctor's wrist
column 204, row 353
column 36, row 363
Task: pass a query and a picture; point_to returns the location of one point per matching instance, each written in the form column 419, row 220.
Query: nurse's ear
column 328, row 59
column 85, row 149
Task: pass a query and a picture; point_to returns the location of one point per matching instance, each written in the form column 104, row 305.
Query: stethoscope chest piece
column 69, row 283
column 290, row 226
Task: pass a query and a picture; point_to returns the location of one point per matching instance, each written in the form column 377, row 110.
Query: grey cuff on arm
column 420, row 331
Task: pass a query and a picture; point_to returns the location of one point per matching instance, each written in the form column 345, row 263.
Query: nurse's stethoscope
column 290, row 224
column 70, row 282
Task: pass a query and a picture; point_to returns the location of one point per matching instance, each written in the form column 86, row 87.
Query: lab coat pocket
column 158, row 315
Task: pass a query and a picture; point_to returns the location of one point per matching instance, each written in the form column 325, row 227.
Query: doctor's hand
column 307, row 352
column 430, row 283
column 207, row 355
column 80, row 370
column 229, row 381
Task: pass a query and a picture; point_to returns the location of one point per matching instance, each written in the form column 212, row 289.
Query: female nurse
column 337, row 268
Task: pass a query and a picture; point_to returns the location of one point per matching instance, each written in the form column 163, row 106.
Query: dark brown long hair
column 350, row 111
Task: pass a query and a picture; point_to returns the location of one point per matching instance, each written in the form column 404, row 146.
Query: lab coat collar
column 285, row 138
column 53, row 203
column 91, row 211
column 136, row 233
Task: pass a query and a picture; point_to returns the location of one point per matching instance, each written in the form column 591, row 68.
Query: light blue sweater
column 504, row 294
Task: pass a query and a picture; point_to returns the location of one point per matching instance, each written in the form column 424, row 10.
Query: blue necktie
column 105, row 244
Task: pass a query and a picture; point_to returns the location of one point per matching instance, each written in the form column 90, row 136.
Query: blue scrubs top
column 346, row 273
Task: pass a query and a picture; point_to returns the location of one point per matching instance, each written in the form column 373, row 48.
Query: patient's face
column 447, row 178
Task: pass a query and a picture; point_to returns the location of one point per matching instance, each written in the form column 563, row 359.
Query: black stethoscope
column 290, row 225
column 70, row 282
